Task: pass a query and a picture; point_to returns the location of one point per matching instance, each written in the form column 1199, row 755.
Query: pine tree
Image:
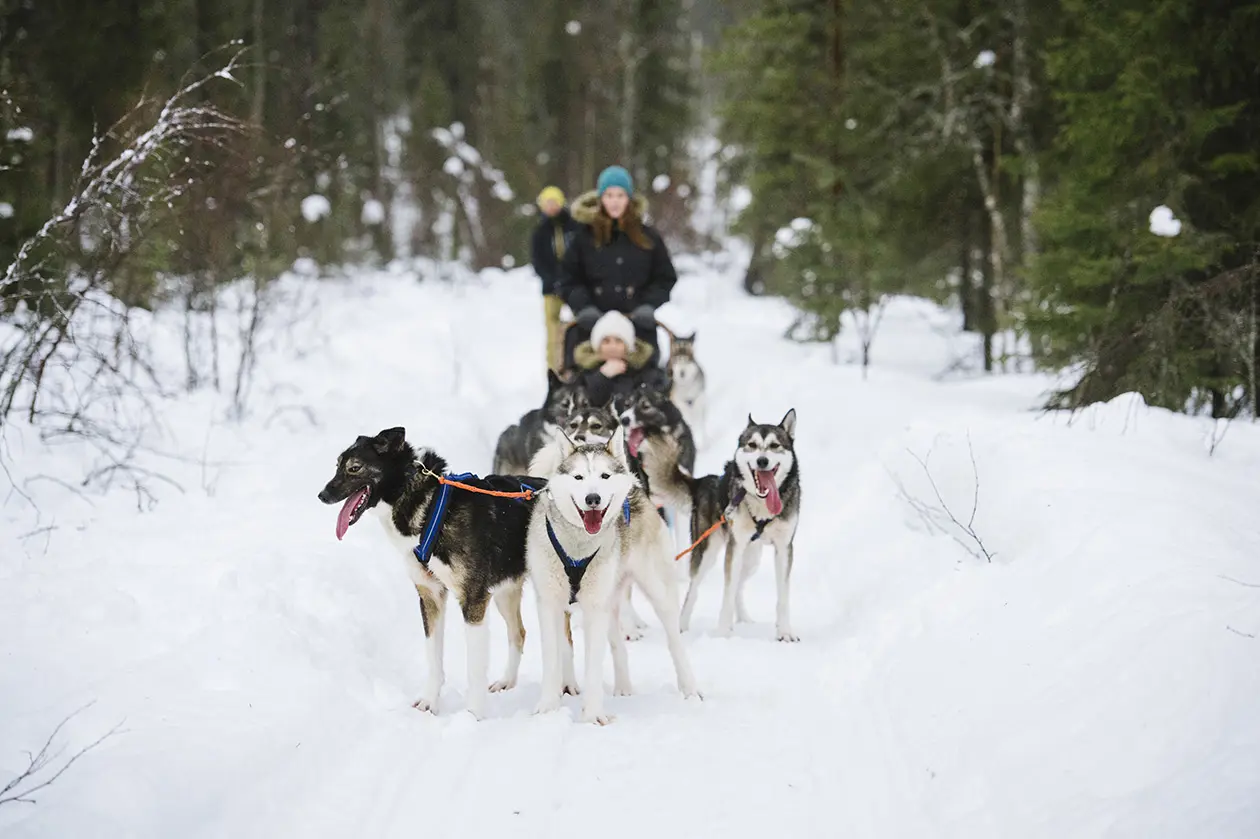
column 1159, row 109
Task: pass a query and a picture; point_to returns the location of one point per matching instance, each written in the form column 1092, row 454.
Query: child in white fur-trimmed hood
column 613, row 361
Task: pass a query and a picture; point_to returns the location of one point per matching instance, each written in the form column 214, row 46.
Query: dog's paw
column 724, row 630
column 633, row 633
column 425, row 704
column 571, row 690
column 547, row 706
column 622, row 689
column 502, row 685
column 789, row 636
column 597, row 719
column 742, row 616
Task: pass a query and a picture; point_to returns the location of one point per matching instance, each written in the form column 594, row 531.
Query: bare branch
column 1239, row 582
column 939, row 517
column 21, row 788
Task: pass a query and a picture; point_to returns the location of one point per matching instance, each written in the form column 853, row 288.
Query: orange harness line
column 703, row 536
column 528, row 495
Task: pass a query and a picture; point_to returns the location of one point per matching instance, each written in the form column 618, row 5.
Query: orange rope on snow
column 703, row 536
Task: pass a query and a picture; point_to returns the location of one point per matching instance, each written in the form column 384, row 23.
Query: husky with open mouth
column 759, row 492
column 450, row 539
column 659, row 437
column 591, row 534
column 588, row 424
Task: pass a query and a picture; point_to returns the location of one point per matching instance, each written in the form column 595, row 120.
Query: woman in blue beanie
column 616, row 262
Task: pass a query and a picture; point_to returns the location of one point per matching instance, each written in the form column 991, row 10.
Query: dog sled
column 573, row 336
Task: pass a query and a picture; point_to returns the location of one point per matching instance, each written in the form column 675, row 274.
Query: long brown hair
column 631, row 225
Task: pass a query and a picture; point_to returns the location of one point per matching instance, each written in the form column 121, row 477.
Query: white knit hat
column 616, row 325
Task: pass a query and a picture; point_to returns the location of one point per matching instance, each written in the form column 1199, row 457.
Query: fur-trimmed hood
column 585, row 207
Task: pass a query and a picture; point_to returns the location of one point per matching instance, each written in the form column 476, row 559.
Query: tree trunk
column 1021, row 99
column 258, row 106
column 629, row 54
column 986, row 309
column 966, row 287
column 1254, row 367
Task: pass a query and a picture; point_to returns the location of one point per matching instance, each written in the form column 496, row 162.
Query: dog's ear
column 553, row 381
column 690, row 339
column 390, row 440
column 788, row 423
column 617, row 446
column 566, row 445
column 362, row 440
column 751, row 423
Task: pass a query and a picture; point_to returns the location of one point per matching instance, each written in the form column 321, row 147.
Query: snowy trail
column 1083, row 684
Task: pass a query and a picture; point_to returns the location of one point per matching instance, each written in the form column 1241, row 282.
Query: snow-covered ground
column 1098, row 678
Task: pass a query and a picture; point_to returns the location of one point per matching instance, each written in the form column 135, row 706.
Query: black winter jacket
column 542, row 248
column 600, row 389
column 620, row 275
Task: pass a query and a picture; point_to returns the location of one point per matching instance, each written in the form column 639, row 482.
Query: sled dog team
column 574, row 506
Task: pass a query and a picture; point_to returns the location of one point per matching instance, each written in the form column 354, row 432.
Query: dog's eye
column 605, row 476
column 578, row 477
column 774, row 446
column 596, row 426
column 354, row 468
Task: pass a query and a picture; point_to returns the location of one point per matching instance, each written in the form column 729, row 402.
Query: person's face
column 612, row 347
column 550, row 207
column 615, row 201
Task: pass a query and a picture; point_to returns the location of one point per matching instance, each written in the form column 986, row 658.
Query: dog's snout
column 592, row 499
column 763, row 462
column 323, row 496
column 625, row 421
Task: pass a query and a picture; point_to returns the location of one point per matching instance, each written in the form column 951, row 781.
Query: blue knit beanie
column 614, row 176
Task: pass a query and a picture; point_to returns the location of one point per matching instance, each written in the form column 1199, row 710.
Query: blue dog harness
column 424, row 551
column 575, row 568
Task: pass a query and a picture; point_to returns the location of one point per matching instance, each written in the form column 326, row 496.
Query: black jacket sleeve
column 662, row 277
column 573, row 285
column 599, row 388
column 538, row 254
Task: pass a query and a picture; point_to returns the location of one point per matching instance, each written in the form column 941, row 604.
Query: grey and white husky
column 589, row 424
column 759, row 492
column 686, row 382
column 591, row 534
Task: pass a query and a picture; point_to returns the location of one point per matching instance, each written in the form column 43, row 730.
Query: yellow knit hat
column 551, row 193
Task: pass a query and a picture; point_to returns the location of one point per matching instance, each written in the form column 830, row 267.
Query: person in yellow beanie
column 550, row 242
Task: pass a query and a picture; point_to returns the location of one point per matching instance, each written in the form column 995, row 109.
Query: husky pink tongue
column 765, row 479
column 635, row 439
column 347, row 510
column 592, row 519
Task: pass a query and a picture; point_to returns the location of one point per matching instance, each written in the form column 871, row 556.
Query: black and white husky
column 686, row 382
column 648, row 415
column 520, row 441
column 759, row 492
column 591, row 534
column 475, row 546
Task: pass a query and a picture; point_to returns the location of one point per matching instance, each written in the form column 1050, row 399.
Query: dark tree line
column 1017, row 149
column 1007, row 156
